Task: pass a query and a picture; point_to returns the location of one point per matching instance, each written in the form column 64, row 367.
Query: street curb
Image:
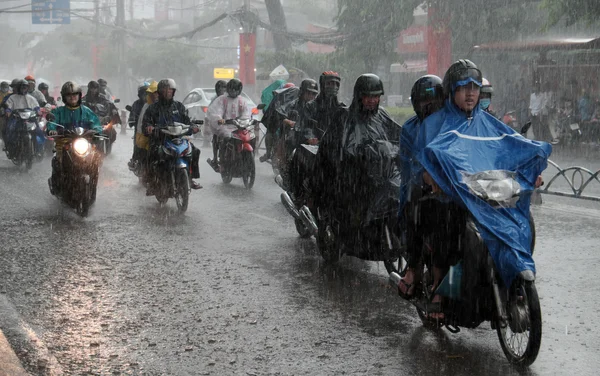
column 9, row 363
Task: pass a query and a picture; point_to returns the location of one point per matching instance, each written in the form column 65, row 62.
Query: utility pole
column 96, row 39
column 247, row 52
column 122, row 75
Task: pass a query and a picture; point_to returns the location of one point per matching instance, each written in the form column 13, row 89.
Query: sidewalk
column 9, row 363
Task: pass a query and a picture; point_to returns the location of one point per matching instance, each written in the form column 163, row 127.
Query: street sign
column 226, row 73
column 50, row 12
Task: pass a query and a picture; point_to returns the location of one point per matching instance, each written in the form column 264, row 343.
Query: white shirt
column 537, row 103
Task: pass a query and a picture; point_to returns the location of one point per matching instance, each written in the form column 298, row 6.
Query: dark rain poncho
column 277, row 111
column 356, row 166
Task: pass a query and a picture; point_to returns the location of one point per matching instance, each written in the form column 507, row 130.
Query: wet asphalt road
column 229, row 288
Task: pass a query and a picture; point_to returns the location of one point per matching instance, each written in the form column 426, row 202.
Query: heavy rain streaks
column 129, row 254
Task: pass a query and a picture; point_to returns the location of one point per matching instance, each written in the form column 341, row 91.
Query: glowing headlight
column 81, row 146
column 25, row 114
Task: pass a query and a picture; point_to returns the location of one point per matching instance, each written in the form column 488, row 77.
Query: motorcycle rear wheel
column 182, row 194
column 248, row 170
column 521, row 335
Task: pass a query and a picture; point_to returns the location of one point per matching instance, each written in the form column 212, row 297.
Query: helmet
column 288, row 85
column 30, row 78
column 461, row 73
column 220, row 87
column 43, row 86
column 4, row 86
column 102, row 82
column 93, row 85
column 326, row 77
column 15, row 82
column 309, row 85
column 166, row 83
column 426, row 88
column 486, row 87
column 368, row 84
column 22, row 87
column 142, row 90
column 234, row 88
column 152, row 88
column 70, row 87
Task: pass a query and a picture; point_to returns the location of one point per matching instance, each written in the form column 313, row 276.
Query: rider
column 93, row 98
column 34, row 92
column 72, row 115
column 272, row 118
column 226, row 107
column 19, row 100
column 326, row 104
column 220, row 89
column 342, row 159
column 134, row 114
column 485, row 97
column 43, row 88
column 4, row 90
column 164, row 113
column 142, row 142
column 104, row 89
column 427, row 97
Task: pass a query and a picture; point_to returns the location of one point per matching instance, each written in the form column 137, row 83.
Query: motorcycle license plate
column 574, row 126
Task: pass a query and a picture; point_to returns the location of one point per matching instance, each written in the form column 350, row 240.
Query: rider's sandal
column 410, row 289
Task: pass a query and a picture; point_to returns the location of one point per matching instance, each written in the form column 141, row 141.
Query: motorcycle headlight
column 497, row 187
column 81, row 146
column 25, row 114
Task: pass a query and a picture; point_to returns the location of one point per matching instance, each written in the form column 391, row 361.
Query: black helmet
column 220, row 87
column 326, row 77
column 309, row 85
column 234, row 88
column 142, row 90
column 22, row 85
column 70, row 87
column 102, row 82
column 93, row 85
column 368, row 84
column 43, row 86
column 461, row 73
column 15, row 82
column 428, row 87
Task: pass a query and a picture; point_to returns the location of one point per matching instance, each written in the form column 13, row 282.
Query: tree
column 572, row 11
column 279, row 25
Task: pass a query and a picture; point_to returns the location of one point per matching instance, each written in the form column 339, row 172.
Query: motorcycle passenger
column 142, row 142
column 72, row 115
column 485, row 97
column 162, row 114
column 348, row 166
column 134, row 114
column 326, row 104
column 272, row 117
column 104, row 89
column 105, row 109
column 43, row 88
column 426, row 97
column 18, row 100
column 34, row 92
column 220, row 89
column 4, row 90
column 226, row 107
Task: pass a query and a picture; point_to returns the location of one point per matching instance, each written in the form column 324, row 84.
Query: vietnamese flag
column 247, row 48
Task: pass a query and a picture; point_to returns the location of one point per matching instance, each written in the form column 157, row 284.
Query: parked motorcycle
column 568, row 129
column 27, row 142
column 473, row 290
column 77, row 180
column 172, row 170
column 237, row 153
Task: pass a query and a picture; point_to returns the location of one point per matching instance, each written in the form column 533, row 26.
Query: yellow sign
column 227, row 73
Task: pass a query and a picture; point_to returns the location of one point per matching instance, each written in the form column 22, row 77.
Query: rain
column 299, row 187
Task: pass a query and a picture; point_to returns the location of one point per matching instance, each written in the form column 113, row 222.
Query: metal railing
column 578, row 179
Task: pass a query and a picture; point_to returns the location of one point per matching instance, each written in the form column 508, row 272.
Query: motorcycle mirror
column 525, row 128
column 117, row 100
column 261, row 106
column 128, row 108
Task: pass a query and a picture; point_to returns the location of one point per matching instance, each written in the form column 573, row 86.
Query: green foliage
column 572, row 11
column 400, row 114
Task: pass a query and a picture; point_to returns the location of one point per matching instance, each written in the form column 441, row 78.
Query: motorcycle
column 26, row 142
column 108, row 121
column 568, row 129
column 510, row 119
column 77, row 178
column 473, row 290
column 363, row 229
column 237, row 153
column 172, row 170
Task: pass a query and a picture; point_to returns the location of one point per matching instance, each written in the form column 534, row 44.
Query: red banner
column 247, row 48
column 439, row 43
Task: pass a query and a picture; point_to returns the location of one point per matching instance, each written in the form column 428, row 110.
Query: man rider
column 43, row 88
column 72, row 115
column 134, row 114
column 220, row 89
column 34, row 92
column 94, row 99
column 340, row 162
column 326, row 104
column 427, row 97
column 226, row 107
column 104, row 89
column 18, row 100
column 164, row 113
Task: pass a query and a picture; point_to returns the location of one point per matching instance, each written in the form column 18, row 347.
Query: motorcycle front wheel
column 521, row 333
column 84, row 199
column 248, row 170
column 182, row 189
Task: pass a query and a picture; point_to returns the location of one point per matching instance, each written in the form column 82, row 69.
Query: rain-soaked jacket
column 20, row 102
column 165, row 113
column 226, row 108
column 72, row 118
column 277, row 111
column 356, row 165
column 450, row 146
